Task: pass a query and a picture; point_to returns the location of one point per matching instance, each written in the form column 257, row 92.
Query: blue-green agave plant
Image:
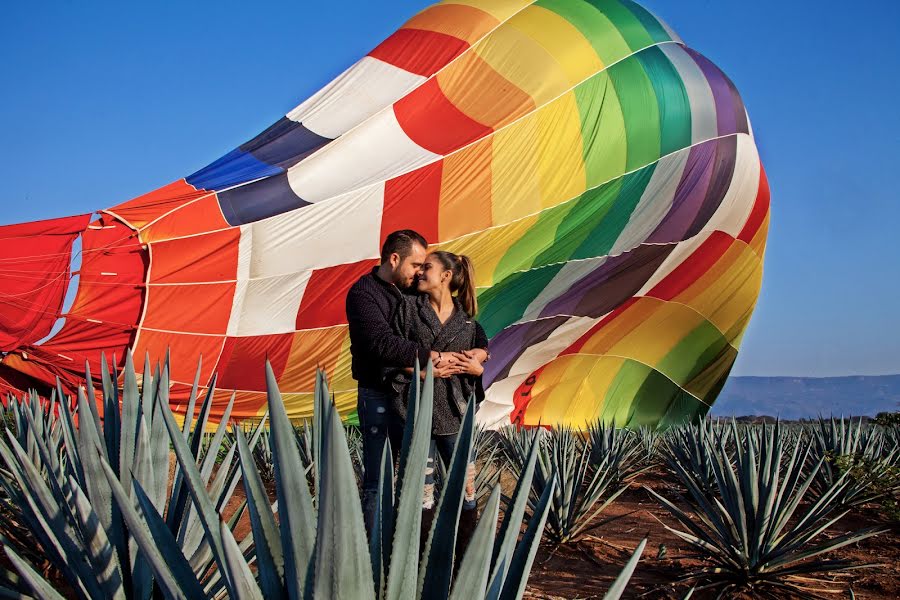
column 754, row 524
column 64, row 480
column 95, row 496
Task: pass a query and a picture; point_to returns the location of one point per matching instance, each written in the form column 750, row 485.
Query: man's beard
column 413, row 287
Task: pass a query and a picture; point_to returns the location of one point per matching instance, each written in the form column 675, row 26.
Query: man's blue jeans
column 377, row 424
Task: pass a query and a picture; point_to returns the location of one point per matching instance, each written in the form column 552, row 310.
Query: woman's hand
column 447, row 369
column 469, row 364
column 480, row 354
column 443, row 370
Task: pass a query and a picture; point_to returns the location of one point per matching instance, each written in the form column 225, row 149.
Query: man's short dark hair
column 401, row 242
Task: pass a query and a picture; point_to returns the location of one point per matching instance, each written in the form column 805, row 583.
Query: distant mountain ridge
column 793, row 398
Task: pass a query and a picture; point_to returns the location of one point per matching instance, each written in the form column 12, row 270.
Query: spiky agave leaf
column 618, row 586
column 297, row 517
column 62, row 489
column 383, row 525
column 342, row 564
column 403, row 576
column 583, row 490
column 439, row 550
column 618, row 449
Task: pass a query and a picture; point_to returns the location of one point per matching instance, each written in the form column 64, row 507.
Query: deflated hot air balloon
column 602, row 175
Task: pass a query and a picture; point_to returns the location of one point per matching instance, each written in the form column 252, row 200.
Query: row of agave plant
column 588, row 471
column 114, row 520
column 756, row 502
column 486, row 452
column 760, row 499
column 866, row 457
column 826, row 469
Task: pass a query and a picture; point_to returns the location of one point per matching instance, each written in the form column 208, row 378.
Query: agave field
column 132, row 504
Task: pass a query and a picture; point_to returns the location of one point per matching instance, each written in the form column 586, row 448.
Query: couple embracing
column 415, row 304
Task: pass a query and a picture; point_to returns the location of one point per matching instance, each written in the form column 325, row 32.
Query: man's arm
column 480, row 346
column 376, row 335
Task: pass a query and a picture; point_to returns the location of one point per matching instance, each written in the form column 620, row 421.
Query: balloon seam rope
column 146, row 303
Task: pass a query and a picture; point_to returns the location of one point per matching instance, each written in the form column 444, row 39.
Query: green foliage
column 755, row 531
column 857, row 453
column 888, row 419
column 881, row 480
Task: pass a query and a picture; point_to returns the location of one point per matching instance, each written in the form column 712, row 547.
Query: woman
column 440, row 318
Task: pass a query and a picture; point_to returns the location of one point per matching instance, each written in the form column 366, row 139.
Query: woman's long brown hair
column 462, row 280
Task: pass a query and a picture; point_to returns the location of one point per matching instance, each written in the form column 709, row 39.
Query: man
column 374, row 345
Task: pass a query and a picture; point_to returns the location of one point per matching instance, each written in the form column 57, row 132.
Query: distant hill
column 805, row 397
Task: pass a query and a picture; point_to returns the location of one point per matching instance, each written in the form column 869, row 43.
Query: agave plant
column 756, row 533
column 488, row 451
column 63, row 479
column 686, row 448
column 313, row 550
column 621, row 450
column 650, row 441
column 859, row 451
column 262, row 456
column 582, row 490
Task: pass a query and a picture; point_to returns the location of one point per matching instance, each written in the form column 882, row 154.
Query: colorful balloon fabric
column 602, row 175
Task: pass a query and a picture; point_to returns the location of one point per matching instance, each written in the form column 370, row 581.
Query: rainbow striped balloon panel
column 602, row 175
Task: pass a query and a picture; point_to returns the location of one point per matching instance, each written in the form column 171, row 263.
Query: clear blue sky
column 103, row 101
